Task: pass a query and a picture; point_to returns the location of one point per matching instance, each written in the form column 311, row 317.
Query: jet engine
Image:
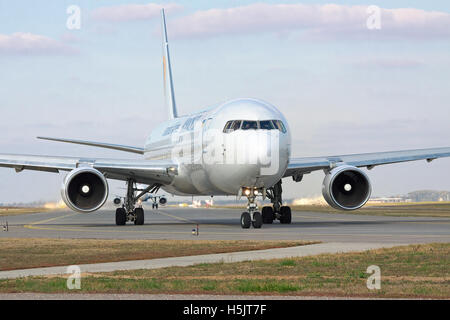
column 162, row 200
column 346, row 188
column 84, row 190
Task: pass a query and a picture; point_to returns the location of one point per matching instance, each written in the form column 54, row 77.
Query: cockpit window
column 266, row 125
column 227, row 127
column 249, row 125
column 234, row 125
column 279, row 125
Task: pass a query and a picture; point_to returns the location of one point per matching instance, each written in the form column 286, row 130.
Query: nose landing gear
column 251, row 216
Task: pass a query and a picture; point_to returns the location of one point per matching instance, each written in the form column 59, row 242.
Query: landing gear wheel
column 246, row 220
column 267, row 215
column 257, row 220
column 156, row 206
column 121, row 217
column 286, row 216
column 139, row 216
column 153, row 206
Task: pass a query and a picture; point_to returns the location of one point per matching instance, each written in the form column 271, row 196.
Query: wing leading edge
column 308, row 164
column 142, row 171
column 98, row 144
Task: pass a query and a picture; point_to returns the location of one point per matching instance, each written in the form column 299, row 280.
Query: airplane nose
column 261, row 149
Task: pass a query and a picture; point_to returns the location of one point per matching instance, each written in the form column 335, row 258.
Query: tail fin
column 168, row 84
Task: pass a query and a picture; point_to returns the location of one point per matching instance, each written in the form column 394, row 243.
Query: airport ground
column 417, row 267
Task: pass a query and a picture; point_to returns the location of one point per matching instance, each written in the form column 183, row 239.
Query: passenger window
column 266, row 125
column 249, row 125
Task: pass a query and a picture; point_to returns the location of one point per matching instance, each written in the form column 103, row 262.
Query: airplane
column 240, row 147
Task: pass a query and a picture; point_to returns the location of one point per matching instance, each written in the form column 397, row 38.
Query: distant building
column 389, row 200
column 429, row 195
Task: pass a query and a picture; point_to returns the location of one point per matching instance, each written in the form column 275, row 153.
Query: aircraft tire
column 267, row 215
column 139, row 220
column 246, row 220
column 121, row 217
column 286, row 216
column 257, row 220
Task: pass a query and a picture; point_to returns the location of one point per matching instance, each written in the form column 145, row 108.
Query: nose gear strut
column 251, row 216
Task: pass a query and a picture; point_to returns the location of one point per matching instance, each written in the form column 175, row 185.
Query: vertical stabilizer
column 168, row 83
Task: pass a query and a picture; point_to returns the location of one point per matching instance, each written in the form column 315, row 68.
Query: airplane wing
column 98, row 144
column 299, row 166
column 142, row 171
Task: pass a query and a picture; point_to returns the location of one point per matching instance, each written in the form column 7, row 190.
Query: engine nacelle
column 84, row 190
column 346, row 188
column 162, row 200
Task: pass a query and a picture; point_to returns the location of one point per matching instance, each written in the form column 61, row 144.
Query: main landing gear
column 268, row 214
column 129, row 211
column 277, row 211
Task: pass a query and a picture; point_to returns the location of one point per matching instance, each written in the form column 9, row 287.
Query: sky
column 344, row 87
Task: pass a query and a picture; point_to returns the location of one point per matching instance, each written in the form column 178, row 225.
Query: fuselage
column 239, row 143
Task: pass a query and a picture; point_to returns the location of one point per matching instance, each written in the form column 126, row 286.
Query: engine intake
column 162, row 200
column 84, row 190
column 346, row 188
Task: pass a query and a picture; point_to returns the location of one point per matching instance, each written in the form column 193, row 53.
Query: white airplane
column 240, row 147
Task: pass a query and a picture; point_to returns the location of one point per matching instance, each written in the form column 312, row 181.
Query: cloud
column 314, row 21
column 32, row 44
column 132, row 12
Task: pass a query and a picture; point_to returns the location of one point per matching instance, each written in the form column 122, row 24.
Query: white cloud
column 34, row 44
column 328, row 20
column 132, row 12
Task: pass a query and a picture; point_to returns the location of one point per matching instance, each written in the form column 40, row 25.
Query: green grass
column 419, row 209
column 22, row 253
column 406, row 271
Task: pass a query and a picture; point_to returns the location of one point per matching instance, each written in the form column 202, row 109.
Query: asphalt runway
column 223, row 224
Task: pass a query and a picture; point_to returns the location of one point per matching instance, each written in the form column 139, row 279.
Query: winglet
column 168, row 83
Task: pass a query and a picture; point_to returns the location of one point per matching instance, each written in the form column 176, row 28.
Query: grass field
column 416, row 209
column 10, row 211
column 21, row 253
column 406, row 272
column 402, row 209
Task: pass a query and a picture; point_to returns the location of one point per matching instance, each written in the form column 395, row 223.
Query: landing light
column 247, row 192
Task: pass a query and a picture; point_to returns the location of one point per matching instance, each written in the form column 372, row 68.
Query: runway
column 223, row 224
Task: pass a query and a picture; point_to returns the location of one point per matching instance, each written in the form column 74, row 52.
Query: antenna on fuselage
column 167, row 70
